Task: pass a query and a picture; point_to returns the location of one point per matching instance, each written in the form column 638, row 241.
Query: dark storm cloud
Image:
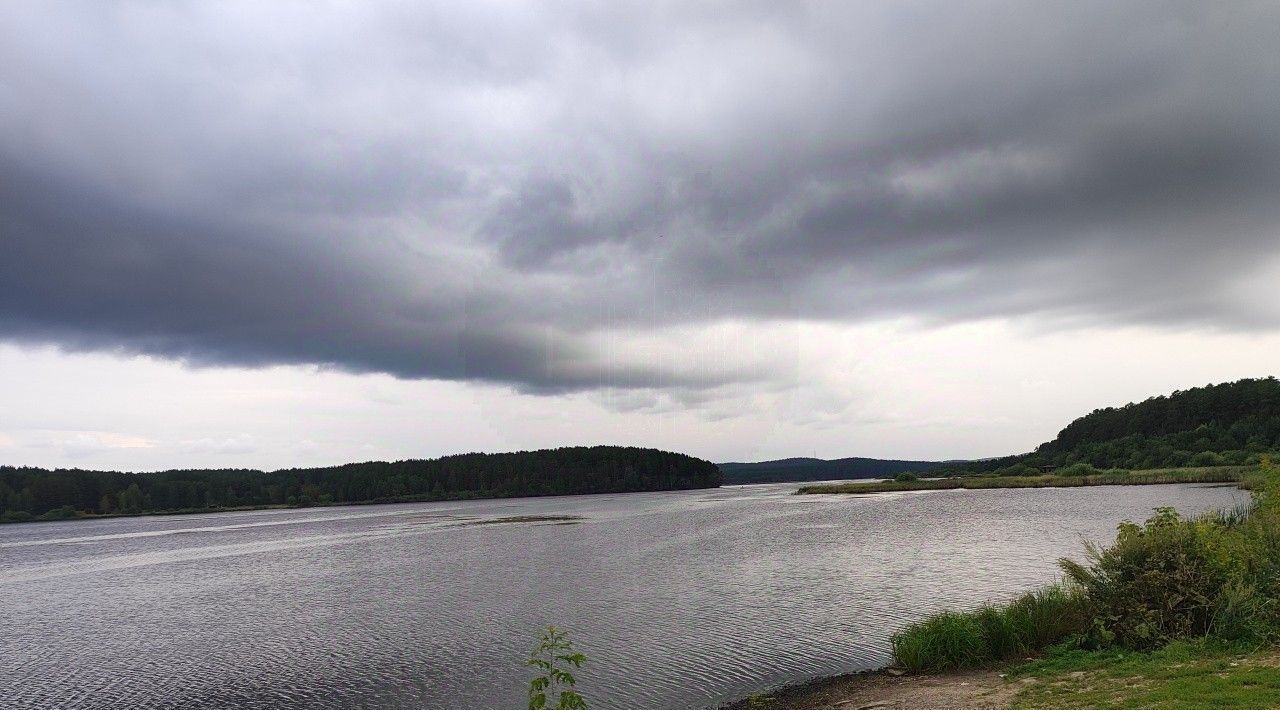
column 196, row 289
column 487, row 193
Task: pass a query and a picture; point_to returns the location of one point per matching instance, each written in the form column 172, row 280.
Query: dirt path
column 976, row 690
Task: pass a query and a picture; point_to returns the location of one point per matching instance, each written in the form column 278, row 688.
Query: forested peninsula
column 42, row 494
column 1229, row 424
column 1212, row 434
column 812, row 469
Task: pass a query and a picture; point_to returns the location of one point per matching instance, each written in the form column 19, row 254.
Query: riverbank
column 1181, row 676
column 67, row 513
column 1213, row 474
column 880, row 689
column 1177, row 613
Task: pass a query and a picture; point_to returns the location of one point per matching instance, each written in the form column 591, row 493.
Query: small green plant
column 553, row 656
column 906, row 477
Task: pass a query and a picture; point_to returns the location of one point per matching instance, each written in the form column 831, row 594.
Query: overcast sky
column 273, row 234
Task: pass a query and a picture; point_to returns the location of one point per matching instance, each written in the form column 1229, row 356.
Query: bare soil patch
column 878, row 690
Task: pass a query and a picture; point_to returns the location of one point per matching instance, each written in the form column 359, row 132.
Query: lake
column 680, row 600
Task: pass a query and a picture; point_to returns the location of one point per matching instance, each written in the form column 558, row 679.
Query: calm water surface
column 680, row 600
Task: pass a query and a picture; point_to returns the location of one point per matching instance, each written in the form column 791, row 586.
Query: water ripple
column 680, row 600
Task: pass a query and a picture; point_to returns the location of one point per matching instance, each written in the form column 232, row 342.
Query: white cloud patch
column 888, row 389
column 83, row 444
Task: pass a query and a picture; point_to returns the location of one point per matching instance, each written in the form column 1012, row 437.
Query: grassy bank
column 1114, row 477
column 1176, row 613
column 1184, row 675
column 1213, row 578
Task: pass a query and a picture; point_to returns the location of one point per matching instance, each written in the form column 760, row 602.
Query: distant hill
column 27, row 493
column 810, row 469
column 1231, row 423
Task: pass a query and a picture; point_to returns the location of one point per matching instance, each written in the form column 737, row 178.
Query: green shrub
column 66, row 512
column 1208, row 458
column 1235, row 457
column 1017, row 469
column 1241, row 613
column 905, row 477
column 1158, row 582
column 1078, row 469
column 1176, row 578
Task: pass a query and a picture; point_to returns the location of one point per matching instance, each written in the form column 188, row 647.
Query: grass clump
column 942, row 642
column 906, row 476
column 954, row 640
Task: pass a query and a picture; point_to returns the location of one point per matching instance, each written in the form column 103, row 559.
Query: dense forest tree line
column 28, row 493
column 1231, row 423
column 806, row 469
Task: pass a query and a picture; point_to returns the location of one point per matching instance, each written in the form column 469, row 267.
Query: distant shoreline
column 30, row 493
column 336, row 504
column 1213, row 474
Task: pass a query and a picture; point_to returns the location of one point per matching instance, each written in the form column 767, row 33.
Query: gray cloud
column 476, row 194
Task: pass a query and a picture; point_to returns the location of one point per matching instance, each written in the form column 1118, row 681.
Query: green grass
column 942, row 642
column 1181, row 676
column 955, row 640
column 1214, row 474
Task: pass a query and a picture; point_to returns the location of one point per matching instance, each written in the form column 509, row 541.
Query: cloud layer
column 550, row 197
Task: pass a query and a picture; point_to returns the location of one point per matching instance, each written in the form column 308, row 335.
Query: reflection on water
column 680, row 600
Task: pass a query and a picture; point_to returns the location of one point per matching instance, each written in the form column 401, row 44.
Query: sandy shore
column 878, row 690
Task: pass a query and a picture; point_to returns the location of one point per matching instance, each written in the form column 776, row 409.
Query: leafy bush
column 1235, row 457
column 1078, row 469
column 66, row 512
column 1017, row 469
column 1208, row 458
column 1175, row 578
column 1158, row 582
column 905, row 477
column 555, row 684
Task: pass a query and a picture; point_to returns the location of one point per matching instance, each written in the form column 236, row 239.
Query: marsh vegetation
column 1075, row 476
